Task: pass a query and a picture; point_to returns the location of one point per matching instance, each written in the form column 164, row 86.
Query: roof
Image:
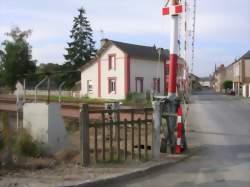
column 136, row 51
column 193, row 75
column 133, row 50
column 246, row 55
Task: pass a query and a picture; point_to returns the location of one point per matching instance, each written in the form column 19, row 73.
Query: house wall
column 237, row 71
column 147, row 69
column 220, row 78
column 247, row 71
column 90, row 73
column 118, row 73
column 229, row 73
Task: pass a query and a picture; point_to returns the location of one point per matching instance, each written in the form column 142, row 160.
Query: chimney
column 161, row 53
column 104, row 41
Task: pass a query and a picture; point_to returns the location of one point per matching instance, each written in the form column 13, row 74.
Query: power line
column 193, row 35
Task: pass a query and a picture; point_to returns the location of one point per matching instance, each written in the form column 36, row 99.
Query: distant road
column 221, row 125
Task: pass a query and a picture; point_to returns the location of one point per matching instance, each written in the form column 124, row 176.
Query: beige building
column 241, row 73
column 219, row 78
column 238, row 72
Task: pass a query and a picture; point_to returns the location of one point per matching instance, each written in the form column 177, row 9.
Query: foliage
column 16, row 58
column 26, row 146
column 134, row 97
column 228, row 84
column 1, row 142
column 6, row 130
column 148, row 97
column 54, row 70
column 71, row 125
column 81, row 49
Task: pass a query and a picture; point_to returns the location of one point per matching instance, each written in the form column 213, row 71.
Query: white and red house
column 121, row 68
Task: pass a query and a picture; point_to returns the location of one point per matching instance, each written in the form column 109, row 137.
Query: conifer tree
column 81, row 49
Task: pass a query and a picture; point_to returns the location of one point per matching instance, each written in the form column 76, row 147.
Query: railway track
column 68, row 110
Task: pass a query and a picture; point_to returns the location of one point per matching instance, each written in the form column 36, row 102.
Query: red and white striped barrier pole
column 179, row 131
column 173, row 10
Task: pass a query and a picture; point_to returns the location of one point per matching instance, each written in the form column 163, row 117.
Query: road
column 221, row 127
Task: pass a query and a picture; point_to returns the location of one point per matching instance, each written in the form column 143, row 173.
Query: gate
column 105, row 138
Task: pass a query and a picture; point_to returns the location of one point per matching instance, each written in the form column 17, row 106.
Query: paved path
column 221, row 126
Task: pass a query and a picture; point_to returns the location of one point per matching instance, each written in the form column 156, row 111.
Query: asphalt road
column 221, row 127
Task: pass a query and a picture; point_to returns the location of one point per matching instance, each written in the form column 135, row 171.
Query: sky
column 222, row 27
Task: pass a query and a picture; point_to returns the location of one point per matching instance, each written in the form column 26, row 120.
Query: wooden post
column 118, row 135
column 96, row 147
column 133, row 135
column 103, row 137
column 139, row 138
column 111, row 157
column 125, row 140
column 156, row 142
column 146, row 134
column 84, row 135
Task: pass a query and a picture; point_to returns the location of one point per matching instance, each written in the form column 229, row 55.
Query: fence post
column 84, row 135
column 156, row 143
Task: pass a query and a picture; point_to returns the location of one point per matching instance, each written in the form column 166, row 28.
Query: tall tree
column 1, row 68
column 16, row 57
column 82, row 47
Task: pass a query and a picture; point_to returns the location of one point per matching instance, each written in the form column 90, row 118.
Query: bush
column 1, row 141
column 228, row 85
column 148, row 97
column 135, row 98
column 26, row 146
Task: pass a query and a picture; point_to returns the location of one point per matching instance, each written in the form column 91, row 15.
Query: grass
column 131, row 100
column 69, row 99
column 26, row 146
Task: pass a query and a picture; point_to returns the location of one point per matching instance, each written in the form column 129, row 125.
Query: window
column 112, row 62
column 112, row 85
column 156, row 83
column 89, row 86
column 139, row 84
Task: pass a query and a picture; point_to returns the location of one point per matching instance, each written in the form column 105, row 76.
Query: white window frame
column 89, row 86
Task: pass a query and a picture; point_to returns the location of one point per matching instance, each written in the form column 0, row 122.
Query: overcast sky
column 223, row 26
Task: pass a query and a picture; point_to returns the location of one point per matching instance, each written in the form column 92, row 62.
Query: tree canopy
column 228, row 84
column 15, row 58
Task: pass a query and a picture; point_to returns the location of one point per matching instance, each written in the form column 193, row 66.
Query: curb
column 132, row 175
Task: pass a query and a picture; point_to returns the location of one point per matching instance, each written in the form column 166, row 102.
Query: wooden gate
column 115, row 135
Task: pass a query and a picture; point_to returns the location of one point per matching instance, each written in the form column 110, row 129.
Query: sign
column 19, row 93
column 172, row 10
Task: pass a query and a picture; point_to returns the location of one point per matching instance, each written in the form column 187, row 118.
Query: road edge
column 133, row 174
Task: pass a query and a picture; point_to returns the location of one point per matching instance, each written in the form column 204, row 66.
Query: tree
column 228, row 84
column 54, row 70
column 16, row 57
column 81, row 49
column 1, row 68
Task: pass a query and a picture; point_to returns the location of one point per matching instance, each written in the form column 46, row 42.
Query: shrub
column 26, row 146
column 228, row 85
column 1, row 141
column 135, row 98
column 148, row 97
column 6, row 130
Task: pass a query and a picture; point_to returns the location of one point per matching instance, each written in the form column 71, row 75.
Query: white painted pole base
column 156, row 129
